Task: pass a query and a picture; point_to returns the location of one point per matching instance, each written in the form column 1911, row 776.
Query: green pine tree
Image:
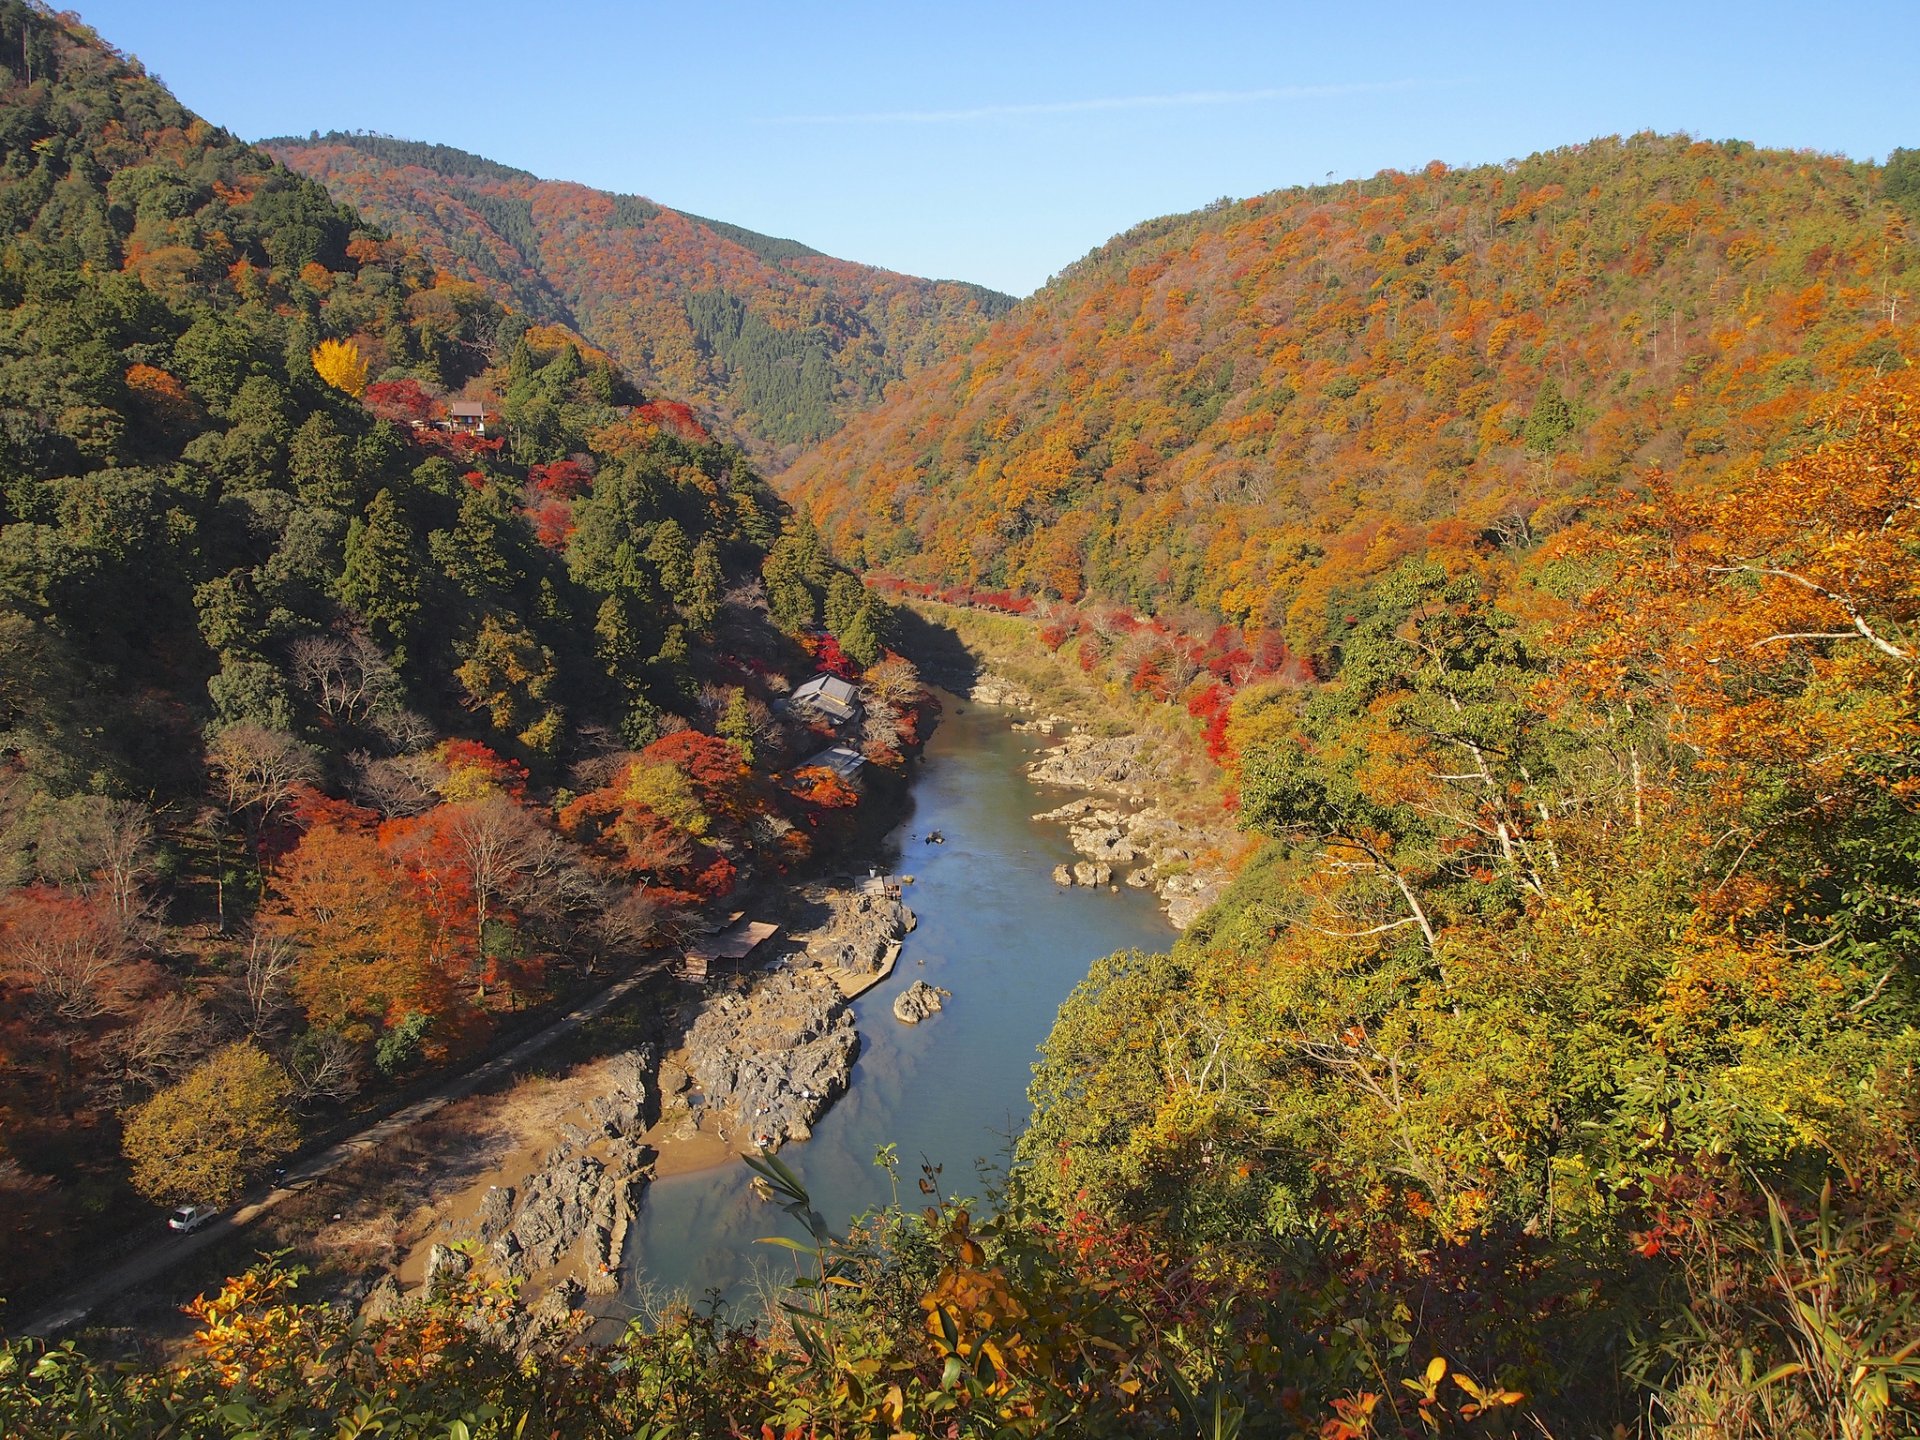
column 381, row 577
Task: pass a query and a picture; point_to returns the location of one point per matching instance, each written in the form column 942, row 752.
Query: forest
column 777, row 342
column 1252, row 412
column 1534, row 550
column 333, row 734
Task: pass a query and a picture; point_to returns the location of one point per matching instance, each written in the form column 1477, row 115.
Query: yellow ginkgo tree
column 341, row 365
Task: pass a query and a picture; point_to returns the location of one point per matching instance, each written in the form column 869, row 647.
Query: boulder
column 446, row 1267
column 1062, row 875
column 1108, row 842
column 1086, row 872
column 918, row 1001
column 1183, row 910
column 552, row 1313
column 382, row 1300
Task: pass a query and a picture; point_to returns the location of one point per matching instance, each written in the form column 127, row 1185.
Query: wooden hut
column 735, row 943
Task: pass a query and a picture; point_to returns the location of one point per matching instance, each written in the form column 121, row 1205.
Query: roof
column 828, row 695
column 463, row 409
column 829, row 687
column 736, row 942
column 843, row 760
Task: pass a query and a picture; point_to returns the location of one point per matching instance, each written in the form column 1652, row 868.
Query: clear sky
column 997, row 142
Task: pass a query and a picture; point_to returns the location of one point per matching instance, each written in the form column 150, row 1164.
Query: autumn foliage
column 780, row 342
column 1255, row 409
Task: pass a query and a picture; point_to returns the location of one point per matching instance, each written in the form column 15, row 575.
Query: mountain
column 318, row 569
column 781, row 343
column 376, row 659
column 1249, row 410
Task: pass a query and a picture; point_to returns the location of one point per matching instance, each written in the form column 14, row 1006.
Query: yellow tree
column 203, row 1138
column 340, row 364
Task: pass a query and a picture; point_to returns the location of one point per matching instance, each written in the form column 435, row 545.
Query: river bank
column 813, row 1042
column 558, row 1167
column 949, row 1087
column 1149, row 810
column 615, row 1174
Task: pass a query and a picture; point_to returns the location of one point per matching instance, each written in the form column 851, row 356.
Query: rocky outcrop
column 1117, row 833
column 578, row 1203
column 1095, row 762
column 862, row 932
column 763, row 1066
column 990, row 689
column 918, row 1001
column 573, row 1210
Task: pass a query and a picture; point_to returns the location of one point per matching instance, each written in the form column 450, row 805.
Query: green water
column 996, row 931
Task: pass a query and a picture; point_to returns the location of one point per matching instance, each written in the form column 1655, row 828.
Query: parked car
column 188, row 1218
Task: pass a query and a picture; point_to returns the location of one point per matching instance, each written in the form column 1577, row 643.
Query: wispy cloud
column 1184, row 99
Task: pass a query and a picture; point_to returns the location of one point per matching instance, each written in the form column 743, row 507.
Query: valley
column 1308, row 832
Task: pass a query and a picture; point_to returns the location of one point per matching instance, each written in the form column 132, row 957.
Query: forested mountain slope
column 332, row 728
column 1252, row 408
column 780, row 342
column 1550, row 1068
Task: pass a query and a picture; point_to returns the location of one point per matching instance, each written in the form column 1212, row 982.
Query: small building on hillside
column 737, row 942
column 843, row 760
column 880, row 887
column 828, row 696
column 468, row 417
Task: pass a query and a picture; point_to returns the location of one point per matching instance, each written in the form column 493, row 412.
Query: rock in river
column 1088, row 873
column 918, row 1001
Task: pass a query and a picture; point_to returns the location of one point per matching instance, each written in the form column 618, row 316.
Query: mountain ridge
column 1223, row 410
column 779, row 341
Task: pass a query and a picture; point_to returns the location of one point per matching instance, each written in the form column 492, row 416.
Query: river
column 993, row 929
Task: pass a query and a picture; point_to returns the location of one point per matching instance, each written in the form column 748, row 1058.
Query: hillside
column 1251, row 409
column 1536, row 549
column 781, row 343
column 334, row 731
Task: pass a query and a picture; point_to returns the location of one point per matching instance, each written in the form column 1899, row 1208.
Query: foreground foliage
column 1576, row 992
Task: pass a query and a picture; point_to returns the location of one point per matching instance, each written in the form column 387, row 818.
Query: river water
column 993, row 929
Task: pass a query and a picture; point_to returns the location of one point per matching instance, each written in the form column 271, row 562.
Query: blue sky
column 998, row 142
